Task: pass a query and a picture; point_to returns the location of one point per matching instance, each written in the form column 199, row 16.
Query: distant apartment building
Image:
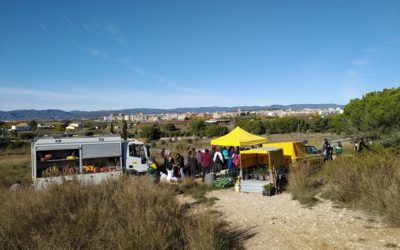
column 182, row 117
column 229, row 114
column 74, row 126
column 45, row 126
column 154, row 118
column 217, row 115
column 21, row 127
column 169, row 116
column 330, row 111
column 121, row 117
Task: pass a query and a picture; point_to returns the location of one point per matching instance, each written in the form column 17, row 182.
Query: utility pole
column 298, row 128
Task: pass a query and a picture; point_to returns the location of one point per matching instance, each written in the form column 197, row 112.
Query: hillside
column 55, row 114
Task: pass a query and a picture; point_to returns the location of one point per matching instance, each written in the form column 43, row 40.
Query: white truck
column 86, row 159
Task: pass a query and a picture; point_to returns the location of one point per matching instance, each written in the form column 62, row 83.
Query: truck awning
column 57, row 147
column 101, row 150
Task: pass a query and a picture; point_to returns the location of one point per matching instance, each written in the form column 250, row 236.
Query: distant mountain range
column 56, row 114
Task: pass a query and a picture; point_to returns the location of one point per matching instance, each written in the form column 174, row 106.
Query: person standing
column 163, row 166
column 339, row 149
column 189, row 155
column 226, row 157
column 205, row 163
column 236, row 162
column 218, row 160
column 327, row 149
column 181, row 164
column 170, row 164
column 231, row 153
column 192, row 164
column 198, row 158
column 362, row 145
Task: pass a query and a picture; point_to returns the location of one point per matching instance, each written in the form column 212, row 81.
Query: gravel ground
column 282, row 223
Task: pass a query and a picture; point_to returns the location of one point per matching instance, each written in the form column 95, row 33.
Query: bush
column 304, row 183
column 26, row 135
column 216, row 130
column 370, row 181
column 151, row 132
column 131, row 213
column 194, row 189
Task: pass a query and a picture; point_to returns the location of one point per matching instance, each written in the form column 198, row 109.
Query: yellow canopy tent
column 238, row 137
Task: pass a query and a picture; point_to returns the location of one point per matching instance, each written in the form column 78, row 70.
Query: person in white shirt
column 218, row 160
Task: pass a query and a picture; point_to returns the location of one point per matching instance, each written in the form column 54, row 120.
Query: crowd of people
column 198, row 162
column 327, row 148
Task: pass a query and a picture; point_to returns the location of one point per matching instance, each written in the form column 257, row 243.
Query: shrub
column 370, row 181
column 304, row 183
column 194, row 189
column 131, row 213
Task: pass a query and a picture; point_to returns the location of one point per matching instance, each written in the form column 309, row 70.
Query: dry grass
column 15, row 167
column 370, row 181
column 195, row 189
column 312, row 138
column 304, row 183
column 132, row 213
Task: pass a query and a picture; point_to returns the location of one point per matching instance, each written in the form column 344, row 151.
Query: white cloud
column 98, row 53
column 43, row 27
column 360, row 63
column 111, row 28
column 66, row 19
column 87, row 27
column 107, row 28
column 38, row 93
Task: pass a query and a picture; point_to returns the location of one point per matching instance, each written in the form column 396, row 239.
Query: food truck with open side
column 86, row 159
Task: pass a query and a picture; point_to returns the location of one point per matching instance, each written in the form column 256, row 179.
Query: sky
column 104, row 55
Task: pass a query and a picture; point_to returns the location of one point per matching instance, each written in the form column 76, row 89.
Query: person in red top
column 205, row 163
column 236, row 163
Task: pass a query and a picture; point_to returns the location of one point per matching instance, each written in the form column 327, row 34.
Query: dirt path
column 282, row 223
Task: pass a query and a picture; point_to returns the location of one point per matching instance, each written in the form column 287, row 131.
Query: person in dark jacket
column 198, row 157
column 192, row 164
column 163, row 165
column 170, row 163
column 181, row 164
column 327, row 149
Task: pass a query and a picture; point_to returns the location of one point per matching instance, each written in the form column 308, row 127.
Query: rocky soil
column 282, row 223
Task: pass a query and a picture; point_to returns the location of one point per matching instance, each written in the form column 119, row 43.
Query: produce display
column 51, row 171
column 46, row 157
column 55, row 171
column 65, row 162
column 96, row 169
column 68, row 170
